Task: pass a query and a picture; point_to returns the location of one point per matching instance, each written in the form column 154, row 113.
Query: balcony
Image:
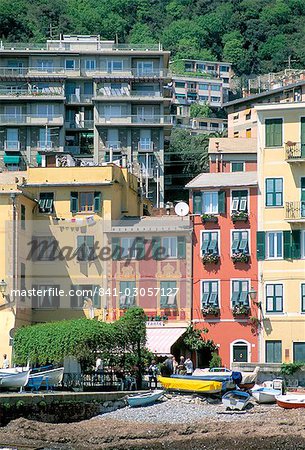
column 294, row 152
column 42, row 94
column 48, row 146
column 122, row 94
column 12, row 146
column 295, row 211
column 66, row 46
column 79, row 98
column 149, row 120
column 113, row 145
column 30, row 119
column 145, row 145
column 82, row 124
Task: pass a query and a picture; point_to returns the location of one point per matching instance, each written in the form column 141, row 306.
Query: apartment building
column 53, row 237
column 221, row 70
column 281, row 225
column 242, row 115
column 95, row 99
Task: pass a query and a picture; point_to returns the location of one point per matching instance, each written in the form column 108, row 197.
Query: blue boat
column 145, row 399
column 236, row 400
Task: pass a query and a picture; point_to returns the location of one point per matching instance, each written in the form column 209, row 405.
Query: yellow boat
column 187, row 385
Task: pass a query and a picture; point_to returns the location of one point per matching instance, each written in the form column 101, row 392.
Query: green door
column 303, row 197
column 240, row 353
column 302, row 137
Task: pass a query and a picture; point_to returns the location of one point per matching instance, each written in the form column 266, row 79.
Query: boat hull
column 144, row 399
column 189, row 385
column 50, row 377
column 265, row 395
column 15, row 380
column 236, row 400
column 291, row 401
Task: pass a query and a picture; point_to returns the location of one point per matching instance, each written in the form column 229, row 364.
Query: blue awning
column 38, row 158
column 8, row 159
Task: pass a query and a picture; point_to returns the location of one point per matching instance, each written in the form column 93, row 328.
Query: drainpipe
column 13, row 198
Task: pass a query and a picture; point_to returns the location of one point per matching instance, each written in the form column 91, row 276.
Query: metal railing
column 29, row 119
column 31, row 92
column 12, row 146
column 67, row 46
column 145, row 146
column 294, row 150
column 45, row 146
column 80, row 124
column 125, row 92
column 81, row 98
column 295, row 210
column 147, row 119
column 114, row 145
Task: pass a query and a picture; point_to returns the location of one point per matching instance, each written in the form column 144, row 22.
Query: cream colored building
column 281, row 225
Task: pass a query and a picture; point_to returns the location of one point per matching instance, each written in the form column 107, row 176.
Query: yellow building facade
column 281, row 235
column 51, row 208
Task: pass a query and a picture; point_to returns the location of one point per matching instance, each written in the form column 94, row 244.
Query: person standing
column 175, row 366
column 189, row 366
column 169, row 365
column 6, row 362
column 152, row 374
column 181, row 368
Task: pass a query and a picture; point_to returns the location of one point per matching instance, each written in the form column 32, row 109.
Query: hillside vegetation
column 257, row 36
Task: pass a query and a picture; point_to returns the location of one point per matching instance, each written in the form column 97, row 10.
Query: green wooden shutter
column 140, row 248
column 56, row 298
column 164, row 288
column 97, row 201
column 181, row 247
column 296, row 244
column 74, row 202
column 273, row 132
column 278, row 130
column 116, row 249
column 74, row 298
column 268, row 133
column 156, row 248
column 90, row 248
column 221, row 202
column 287, row 244
column 197, row 203
column 96, row 297
column 260, row 245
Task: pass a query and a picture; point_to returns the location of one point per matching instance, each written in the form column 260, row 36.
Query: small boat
column 192, row 384
column 51, row 377
column 215, row 371
column 291, row 401
column 265, row 394
column 236, row 400
column 145, row 399
column 14, row 380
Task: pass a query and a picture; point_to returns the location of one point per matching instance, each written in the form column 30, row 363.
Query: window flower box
column 209, row 218
column 210, row 258
column 209, row 310
column 239, row 216
column 241, row 310
column 240, row 257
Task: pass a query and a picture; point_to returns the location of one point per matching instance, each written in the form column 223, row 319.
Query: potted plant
column 209, row 218
column 239, row 216
column 240, row 257
column 210, row 310
column 240, row 310
column 210, row 258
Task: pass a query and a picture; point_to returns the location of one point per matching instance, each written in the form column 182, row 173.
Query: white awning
column 160, row 340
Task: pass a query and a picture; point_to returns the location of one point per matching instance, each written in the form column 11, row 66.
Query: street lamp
column 3, row 286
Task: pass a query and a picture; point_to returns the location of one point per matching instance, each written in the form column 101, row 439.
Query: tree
column 197, row 110
column 141, row 34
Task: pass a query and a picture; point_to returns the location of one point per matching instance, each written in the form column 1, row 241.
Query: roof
column 223, row 179
column 152, row 223
column 232, row 145
column 253, row 98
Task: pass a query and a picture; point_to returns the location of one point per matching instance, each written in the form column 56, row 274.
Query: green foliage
column 215, row 360
column 194, row 340
column 82, row 338
column 197, row 110
column 291, row 368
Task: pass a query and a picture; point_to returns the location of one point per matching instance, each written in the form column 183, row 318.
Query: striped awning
column 161, row 339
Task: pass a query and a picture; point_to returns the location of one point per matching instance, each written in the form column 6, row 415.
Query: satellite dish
column 182, row 209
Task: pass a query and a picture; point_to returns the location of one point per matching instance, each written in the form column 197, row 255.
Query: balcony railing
column 295, row 211
column 81, row 124
column 12, row 146
column 294, row 151
column 67, row 46
column 81, row 98
column 30, row 119
column 113, row 145
column 17, row 93
column 145, row 146
column 45, row 146
column 125, row 92
column 144, row 120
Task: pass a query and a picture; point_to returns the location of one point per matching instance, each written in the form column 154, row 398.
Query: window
column 203, row 87
column 209, row 243
column 248, row 133
column 46, row 202
column 239, row 201
column 240, row 242
column 70, row 64
column 168, row 293
column 170, row 246
column 209, row 295
column 145, row 67
column 215, row 87
column 47, row 296
column 274, row 133
column 274, row 191
column 274, row 298
column 274, row 244
column 44, row 110
column 215, row 99
column 85, row 202
column 180, row 84
column 239, row 292
column 226, row 80
column 180, row 96
column 237, row 166
column 214, row 125
column 127, row 291
column 303, row 297
column 22, row 217
column 83, row 292
column 114, row 66
column 129, row 250
column 203, row 98
column 236, row 116
column 273, row 352
column 85, row 248
column 299, row 352
column 90, row 64
column 236, row 134
column 210, row 67
column 45, row 65
column 224, row 68
column 45, row 248
column 210, row 202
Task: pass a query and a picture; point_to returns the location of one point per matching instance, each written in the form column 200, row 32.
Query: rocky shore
column 177, row 424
